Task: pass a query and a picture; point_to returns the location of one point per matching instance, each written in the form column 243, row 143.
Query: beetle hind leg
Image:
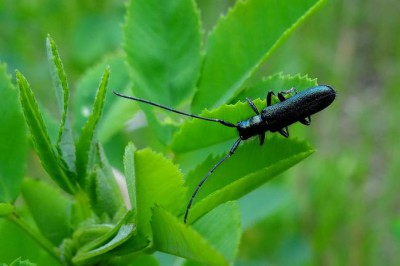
column 306, row 121
column 261, row 138
column 281, row 95
column 284, row 132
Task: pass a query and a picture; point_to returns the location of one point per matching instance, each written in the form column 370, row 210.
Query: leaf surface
column 221, row 227
column 84, row 146
column 162, row 44
column 13, row 141
column 6, row 209
column 107, row 242
column 40, row 137
column 129, row 168
column 124, row 233
column 65, row 142
column 250, row 167
column 277, row 82
column 49, row 208
column 241, row 41
column 116, row 111
column 174, row 237
column 158, row 181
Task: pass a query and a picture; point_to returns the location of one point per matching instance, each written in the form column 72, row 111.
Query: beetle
column 274, row 118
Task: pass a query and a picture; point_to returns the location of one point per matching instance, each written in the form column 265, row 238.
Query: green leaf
column 134, row 244
column 13, row 141
column 162, row 43
column 174, row 237
column 19, row 262
column 129, row 168
column 40, row 138
column 105, row 200
column 106, row 196
column 107, row 242
column 18, row 243
column 124, row 233
column 241, row 42
column 111, row 194
column 116, row 111
column 91, row 233
column 250, row 167
column 221, row 227
column 81, row 208
column 6, row 209
column 273, row 198
column 158, row 181
column 277, row 82
column 49, row 208
column 85, row 142
column 103, row 238
column 65, row 142
column 136, row 260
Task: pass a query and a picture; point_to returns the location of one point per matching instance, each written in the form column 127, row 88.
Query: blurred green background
column 341, row 205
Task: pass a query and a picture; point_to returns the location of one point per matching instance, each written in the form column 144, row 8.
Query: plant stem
column 83, row 205
column 42, row 241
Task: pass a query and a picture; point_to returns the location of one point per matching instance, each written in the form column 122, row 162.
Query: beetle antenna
column 225, row 123
column 234, row 146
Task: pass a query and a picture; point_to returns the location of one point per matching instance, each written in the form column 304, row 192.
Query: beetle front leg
column 269, row 97
column 253, row 106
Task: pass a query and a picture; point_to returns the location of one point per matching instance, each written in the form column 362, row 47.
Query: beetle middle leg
column 281, row 96
column 261, row 137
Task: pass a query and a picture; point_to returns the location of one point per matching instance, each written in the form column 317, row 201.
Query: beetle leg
column 284, row 132
column 281, row 95
column 231, row 152
column 269, row 97
column 306, row 121
column 252, row 105
column 261, row 138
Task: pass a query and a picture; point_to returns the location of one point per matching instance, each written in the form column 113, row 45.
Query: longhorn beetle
column 274, row 118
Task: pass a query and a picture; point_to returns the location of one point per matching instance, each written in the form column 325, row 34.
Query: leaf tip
column 20, row 78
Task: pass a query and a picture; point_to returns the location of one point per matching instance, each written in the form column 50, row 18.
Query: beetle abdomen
column 299, row 106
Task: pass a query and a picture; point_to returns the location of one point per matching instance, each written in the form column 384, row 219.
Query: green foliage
column 19, row 262
column 82, row 218
column 13, row 144
column 163, row 37
column 85, row 142
column 105, row 242
column 6, row 209
column 256, row 27
column 162, row 44
column 147, row 187
column 65, row 143
column 40, row 137
column 172, row 236
column 116, row 112
column 44, row 203
column 226, row 184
